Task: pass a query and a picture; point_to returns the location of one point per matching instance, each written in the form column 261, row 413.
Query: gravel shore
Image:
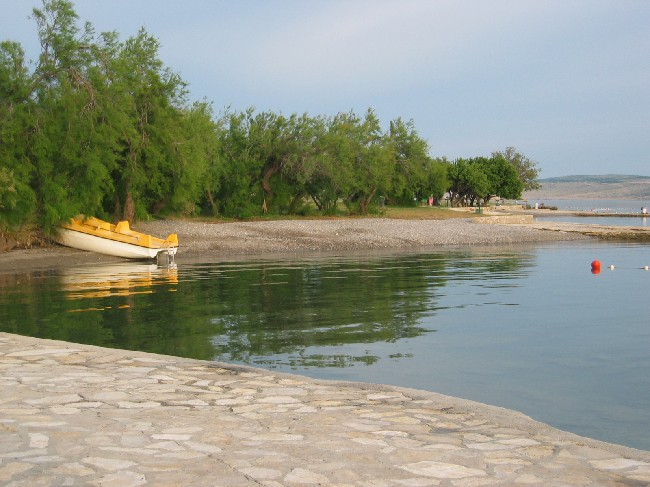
column 201, row 240
column 342, row 234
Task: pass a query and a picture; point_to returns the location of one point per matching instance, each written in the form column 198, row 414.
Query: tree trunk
column 365, row 201
column 117, row 212
column 129, row 205
column 294, row 202
column 319, row 205
column 266, row 180
column 213, row 204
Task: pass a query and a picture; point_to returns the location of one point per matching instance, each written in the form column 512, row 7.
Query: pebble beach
column 345, row 234
column 208, row 240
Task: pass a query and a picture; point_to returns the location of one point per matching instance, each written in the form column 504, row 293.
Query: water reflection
column 297, row 314
column 273, row 313
column 115, row 280
column 96, row 305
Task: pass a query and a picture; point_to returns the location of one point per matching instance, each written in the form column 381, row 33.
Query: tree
column 467, row 182
column 235, row 173
column 17, row 199
column 371, row 160
column 307, row 164
column 502, row 177
column 152, row 113
column 333, row 164
column 284, row 147
column 436, row 180
column 411, row 161
column 266, row 162
column 526, row 169
column 103, row 127
column 195, row 147
column 65, row 145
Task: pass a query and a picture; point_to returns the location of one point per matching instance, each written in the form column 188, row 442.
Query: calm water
column 607, row 209
column 597, row 206
column 625, row 221
column 526, row 327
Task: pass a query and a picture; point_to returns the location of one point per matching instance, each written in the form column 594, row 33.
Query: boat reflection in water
column 115, row 280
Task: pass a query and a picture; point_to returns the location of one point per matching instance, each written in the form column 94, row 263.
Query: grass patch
column 396, row 212
column 427, row 213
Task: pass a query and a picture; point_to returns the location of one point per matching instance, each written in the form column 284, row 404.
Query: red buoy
column 595, row 267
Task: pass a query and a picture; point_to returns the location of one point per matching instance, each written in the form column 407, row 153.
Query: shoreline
column 262, row 239
column 203, row 240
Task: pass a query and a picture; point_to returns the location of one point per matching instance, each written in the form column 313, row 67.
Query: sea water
column 595, row 206
column 627, row 213
column 609, row 220
column 526, row 327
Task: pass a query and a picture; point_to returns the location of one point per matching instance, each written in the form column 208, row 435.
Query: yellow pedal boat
column 95, row 235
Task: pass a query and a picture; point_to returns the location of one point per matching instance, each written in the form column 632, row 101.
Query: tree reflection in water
column 301, row 313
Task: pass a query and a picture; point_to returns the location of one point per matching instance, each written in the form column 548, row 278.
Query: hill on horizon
column 605, row 186
column 598, row 178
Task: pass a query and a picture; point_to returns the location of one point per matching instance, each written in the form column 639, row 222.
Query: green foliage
column 101, row 126
column 235, row 172
column 477, row 180
column 527, row 170
column 503, row 178
column 17, row 198
column 466, row 181
column 196, row 150
column 411, row 155
column 271, row 163
column 436, row 178
column 154, row 163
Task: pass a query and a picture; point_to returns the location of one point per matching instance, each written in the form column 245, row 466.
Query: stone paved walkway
column 79, row 415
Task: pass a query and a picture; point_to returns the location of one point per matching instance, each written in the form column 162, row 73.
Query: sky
column 566, row 82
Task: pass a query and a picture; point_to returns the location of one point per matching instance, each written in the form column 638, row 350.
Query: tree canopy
column 101, row 126
column 526, row 169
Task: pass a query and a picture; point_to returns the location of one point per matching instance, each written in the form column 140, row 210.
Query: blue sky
column 566, row 82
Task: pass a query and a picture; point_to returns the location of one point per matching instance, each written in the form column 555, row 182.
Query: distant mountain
column 603, row 178
column 607, row 186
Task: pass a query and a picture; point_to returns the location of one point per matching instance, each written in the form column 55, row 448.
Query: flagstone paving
column 75, row 415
